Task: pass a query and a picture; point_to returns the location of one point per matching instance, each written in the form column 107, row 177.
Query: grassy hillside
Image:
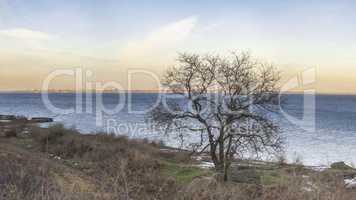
column 57, row 163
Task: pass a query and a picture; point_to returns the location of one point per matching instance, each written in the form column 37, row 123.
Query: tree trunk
column 220, row 171
column 226, row 170
column 213, row 155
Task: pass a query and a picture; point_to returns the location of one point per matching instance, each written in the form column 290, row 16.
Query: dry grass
column 63, row 164
column 26, row 179
column 121, row 168
column 292, row 184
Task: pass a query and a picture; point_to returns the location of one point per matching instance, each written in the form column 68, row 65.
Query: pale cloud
column 158, row 44
column 25, row 34
column 171, row 33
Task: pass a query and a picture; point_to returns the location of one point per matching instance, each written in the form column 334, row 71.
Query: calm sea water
column 332, row 139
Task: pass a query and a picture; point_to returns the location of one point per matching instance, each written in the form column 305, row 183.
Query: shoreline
column 290, row 155
column 8, row 121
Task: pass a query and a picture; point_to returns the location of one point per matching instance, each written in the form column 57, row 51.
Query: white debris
column 309, row 186
column 320, row 168
column 350, row 183
column 57, row 158
column 198, row 158
column 205, row 165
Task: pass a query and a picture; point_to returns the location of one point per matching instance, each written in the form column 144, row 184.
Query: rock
column 340, row 166
column 16, row 119
column 7, row 117
column 41, row 120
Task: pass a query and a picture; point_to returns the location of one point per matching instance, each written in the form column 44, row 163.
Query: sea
column 317, row 129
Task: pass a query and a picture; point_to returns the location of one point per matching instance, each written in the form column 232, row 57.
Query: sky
column 114, row 38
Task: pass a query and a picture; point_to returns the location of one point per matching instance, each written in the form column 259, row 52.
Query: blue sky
column 111, row 36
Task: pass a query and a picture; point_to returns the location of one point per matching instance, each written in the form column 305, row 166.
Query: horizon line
column 59, row 91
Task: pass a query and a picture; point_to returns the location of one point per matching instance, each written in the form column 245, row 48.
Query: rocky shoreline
column 20, row 119
column 11, row 124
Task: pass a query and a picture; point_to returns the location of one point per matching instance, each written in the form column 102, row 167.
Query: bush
column 49, row 135
column 340, row 166
column 10, row 133
column 55, row 132
column 57, row 140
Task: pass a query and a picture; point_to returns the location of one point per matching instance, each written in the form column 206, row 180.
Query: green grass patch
column 184, row 173
column 271, row 177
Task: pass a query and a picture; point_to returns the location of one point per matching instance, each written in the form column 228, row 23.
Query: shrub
column 10, row 133
column 50, row 135
column 340, row 166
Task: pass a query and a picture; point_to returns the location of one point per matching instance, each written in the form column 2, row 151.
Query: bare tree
column 223, row 102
